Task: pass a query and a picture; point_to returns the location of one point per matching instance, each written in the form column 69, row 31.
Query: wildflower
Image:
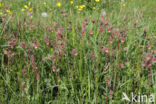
column 23, row 45
column 105, row 49
column 44, row 14
column 58, row 4
column 23, row 83
column 122, row 39
column 82, row 6
column 148, row 57
column 74, row 52
column 77, row 6
column 71, row 1
column 29, row 3
column 5, row 51
column 24, row 71
column 0, row 4
column 45, row 3
column 54, row 68
column 53, row 58
column 123, row 5
column 22, row 9
column 26, row 7
column 91, row 32
column 149, row 46
column 30, row 9
column 94, row 8
column 97, row 1
column 34, row 45
column 8, row 11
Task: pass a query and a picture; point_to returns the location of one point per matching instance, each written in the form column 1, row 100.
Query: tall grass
column 84, row 52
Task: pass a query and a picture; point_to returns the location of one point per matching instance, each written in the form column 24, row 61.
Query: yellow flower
column 58, row 4
column 94, row 8
column 45, row 3
column 77, row 6
column 25, row 6
column 71, row 2
column 97, row 0
column 30, row 9
column 29, row 4
column 123, row 5
column 22, row 9
column 0, row 4
column 80, row 9
column 8, row 11
column 82, row 6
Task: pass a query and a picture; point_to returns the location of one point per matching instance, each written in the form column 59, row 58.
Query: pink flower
column 91, row 32
column 53, row 58
column 54, row 68
column 148, row 57
column 122, row 39
column 5, row 51
column 34, row 45
column 149, row 46
column 105, row 49
column 74, row 52
column 24, row 71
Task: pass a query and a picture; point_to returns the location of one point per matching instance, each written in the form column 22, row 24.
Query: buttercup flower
column 97, row 0
column 58, row 4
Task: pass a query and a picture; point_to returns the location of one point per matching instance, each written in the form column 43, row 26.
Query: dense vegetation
column 76, row 52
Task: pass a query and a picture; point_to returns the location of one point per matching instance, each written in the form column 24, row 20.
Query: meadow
column 77, row 51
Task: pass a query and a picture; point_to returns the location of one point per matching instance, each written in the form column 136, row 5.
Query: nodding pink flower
column 127, row 61
column 24, row 71
column 122, row 39
column 105, row 49
column 115, row 31
column 101, row 18
column 60, row 35
column 92, row 55
column 86, row 23
column 67, row 41
column 34, row 45
column 74, row 52
column 109, row 30
column 23, row 45
column 148, row 57
column 60, row 52
column 149, row 46
column 110, row 40
column 35, row 69
column 135, row 24
column 5, row 51
column 10, row 54
column 154, row 60
column 91, row 32
column 54, row 68
column 6, row 8
column 23, row 84
column 121, row 65
column 154, row 51
column 13, row 15
column 53, row 58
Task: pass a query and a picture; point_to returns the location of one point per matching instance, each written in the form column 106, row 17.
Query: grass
column 87, row 52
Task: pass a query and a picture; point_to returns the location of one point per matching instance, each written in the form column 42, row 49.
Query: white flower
column 44, row 14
